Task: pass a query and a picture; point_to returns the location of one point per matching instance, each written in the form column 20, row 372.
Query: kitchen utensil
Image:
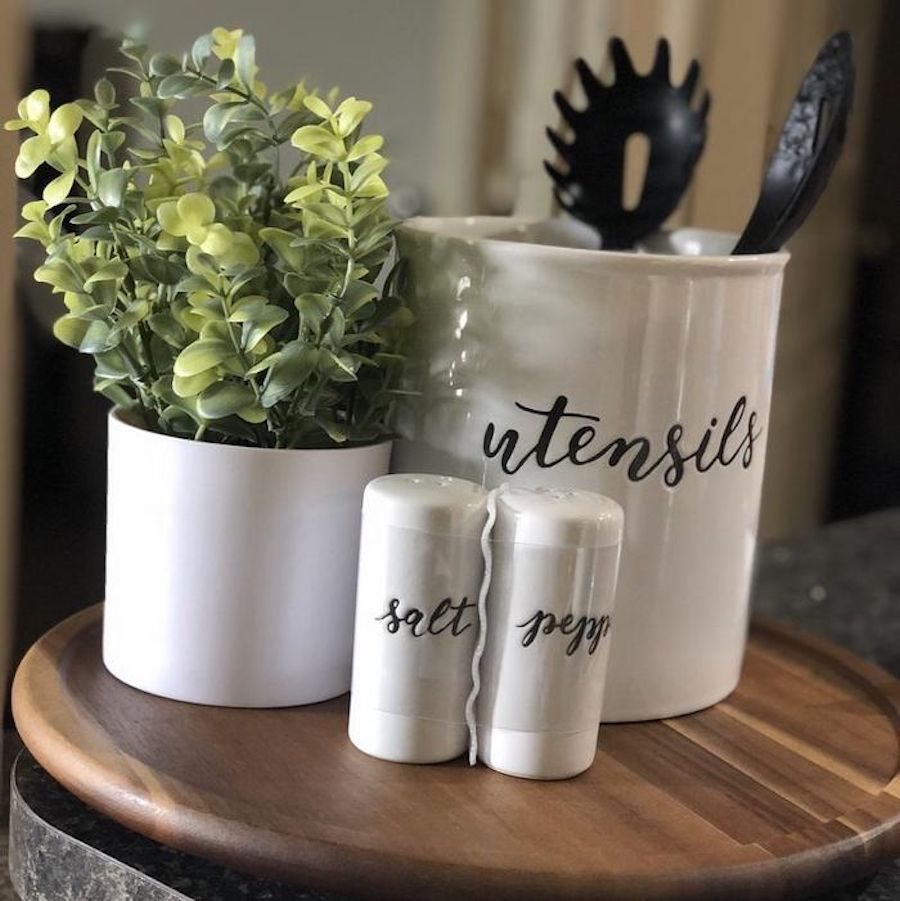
column 591, row 188
column 809, row 146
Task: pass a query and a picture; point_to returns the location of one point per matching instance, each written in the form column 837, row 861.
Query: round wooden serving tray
column 787, row 788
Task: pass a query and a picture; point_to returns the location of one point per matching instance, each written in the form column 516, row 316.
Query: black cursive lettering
column 589, row 628
column 636, row 454
column 446, row 615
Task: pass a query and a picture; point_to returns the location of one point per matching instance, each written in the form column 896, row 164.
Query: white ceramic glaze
column 578, row 350
column 231, row 571
column 550, row 624
column 420, row 571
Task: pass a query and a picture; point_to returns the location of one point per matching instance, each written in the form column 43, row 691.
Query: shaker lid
column 558, row 517
column 428, row 503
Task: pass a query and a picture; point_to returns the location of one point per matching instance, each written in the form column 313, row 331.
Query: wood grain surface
column 789, row 787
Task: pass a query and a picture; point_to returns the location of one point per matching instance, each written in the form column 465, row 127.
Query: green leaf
column 318, row 106
column 110, row 271
column 298, row 195
column 151, row 268
column 201, row 50
column 119, row 70
column 365, row 146
column 33, row 152
column 105, row 93
column 351, row 113
column 374, row 236
column 336, row 431
column 296, row 361
column 104, row 216
column 135, row 312
column 357, row 295
column 260, row 326
column 290, row 124
column 114, row 392
column 249, row 112
column 389, row 359
column 281, row 242
column 224, row 399
column 201, row 356
column 59, row 275
column 248, row 308
column 37, row 231
column 265, row 364
column 70, row 330
column 216, row 118
column 250, row 173
column 150, row 106
column 314, row 307
column 111, row 187
column 253, row 413
column 192, row 385
column 133, row 49
column 166, row 326
column 245, row 60
column 374, row 165
column 308, row 283
column 226, row 74
column 180, row 86
column 336, row 327
column 58, row 189
column 111, row 141
column 175, row 129
column 318, row 141
column 343, row 364
column 93, row 312
column 151, row 135
column 98, row 233
column 87, row 336
column 92, row 157
column 161, row 64
column 111, row 365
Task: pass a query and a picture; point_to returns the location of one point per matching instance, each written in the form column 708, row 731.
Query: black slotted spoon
column 591, row 188
column 808, row 148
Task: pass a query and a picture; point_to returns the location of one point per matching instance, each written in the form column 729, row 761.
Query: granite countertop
column 842, row 582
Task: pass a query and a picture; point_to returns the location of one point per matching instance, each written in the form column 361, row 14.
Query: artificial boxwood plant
column 226, row 275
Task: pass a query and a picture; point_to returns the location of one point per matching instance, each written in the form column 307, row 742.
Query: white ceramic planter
column 642, row 376
column 231, row 571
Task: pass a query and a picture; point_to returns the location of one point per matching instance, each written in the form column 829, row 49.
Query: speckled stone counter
column 843, row 582
column 60, row 850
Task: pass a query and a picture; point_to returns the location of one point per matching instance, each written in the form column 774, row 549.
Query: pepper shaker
column 549, row 622
column 420, row 572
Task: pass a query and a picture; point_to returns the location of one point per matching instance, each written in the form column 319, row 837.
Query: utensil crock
column 642, row 376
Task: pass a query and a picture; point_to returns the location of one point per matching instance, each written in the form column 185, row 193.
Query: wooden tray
column 789, row 787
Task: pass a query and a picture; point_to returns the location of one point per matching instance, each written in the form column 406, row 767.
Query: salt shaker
column 420, row 572
column 549, row 626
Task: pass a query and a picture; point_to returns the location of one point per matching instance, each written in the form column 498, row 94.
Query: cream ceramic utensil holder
column 645, row 377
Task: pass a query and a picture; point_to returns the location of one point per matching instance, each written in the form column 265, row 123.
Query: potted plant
column 226, row 276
